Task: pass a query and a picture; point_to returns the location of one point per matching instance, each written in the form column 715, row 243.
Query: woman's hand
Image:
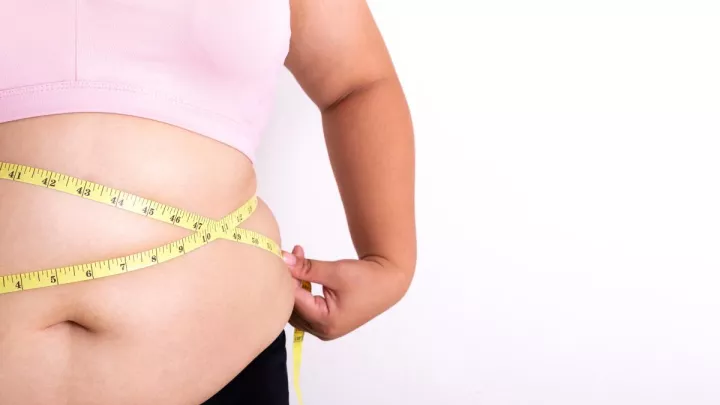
column 354, row 292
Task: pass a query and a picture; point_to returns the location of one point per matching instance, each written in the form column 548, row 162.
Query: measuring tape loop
column 205, row 230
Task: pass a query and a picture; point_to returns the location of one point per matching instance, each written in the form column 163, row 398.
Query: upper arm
column 335, row 49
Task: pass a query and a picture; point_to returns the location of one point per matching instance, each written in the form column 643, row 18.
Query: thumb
column 314, row 271
column 310, row 309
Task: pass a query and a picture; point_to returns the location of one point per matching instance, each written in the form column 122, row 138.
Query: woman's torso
column 171, row 334
column 201, row 74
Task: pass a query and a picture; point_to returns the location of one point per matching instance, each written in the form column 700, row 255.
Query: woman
column 166, row 100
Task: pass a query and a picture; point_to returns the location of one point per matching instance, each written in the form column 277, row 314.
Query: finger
column 298, row 322
column 289, row 258
column 315, row 271
column 290, row 261
column 314, row 310
column 299, row 252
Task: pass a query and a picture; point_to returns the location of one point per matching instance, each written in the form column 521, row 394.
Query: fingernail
column 289, row 259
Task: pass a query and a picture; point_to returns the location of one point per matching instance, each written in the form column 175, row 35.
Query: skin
column 176, row 333
column 190, row 325
column 350, row 77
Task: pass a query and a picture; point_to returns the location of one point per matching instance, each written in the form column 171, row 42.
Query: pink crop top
column 209, row 66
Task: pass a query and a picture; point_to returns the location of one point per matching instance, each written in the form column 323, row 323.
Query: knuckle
column 325, row 336
column 328, row 332
column 304, row 267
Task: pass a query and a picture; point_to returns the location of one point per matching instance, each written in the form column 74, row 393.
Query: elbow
column 405, row 280
column 401, row 272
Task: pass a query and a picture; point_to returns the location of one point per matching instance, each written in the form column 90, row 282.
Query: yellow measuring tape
column 205, row 230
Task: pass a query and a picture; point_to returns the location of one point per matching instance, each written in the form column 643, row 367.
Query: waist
column 156, row 161
column 239, row 295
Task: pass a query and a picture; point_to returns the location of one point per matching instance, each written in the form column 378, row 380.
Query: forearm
column 369, row 137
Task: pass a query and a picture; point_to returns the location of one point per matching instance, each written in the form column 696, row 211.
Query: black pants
column 263, row 382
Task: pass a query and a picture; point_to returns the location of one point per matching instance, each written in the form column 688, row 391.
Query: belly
column 174, row 333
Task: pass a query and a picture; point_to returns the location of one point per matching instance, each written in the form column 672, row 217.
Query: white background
column 568, row 208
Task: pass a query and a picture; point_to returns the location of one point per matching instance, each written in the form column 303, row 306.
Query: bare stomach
column 172, row 334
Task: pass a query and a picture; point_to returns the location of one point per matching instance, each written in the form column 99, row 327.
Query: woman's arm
column 339, row 58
